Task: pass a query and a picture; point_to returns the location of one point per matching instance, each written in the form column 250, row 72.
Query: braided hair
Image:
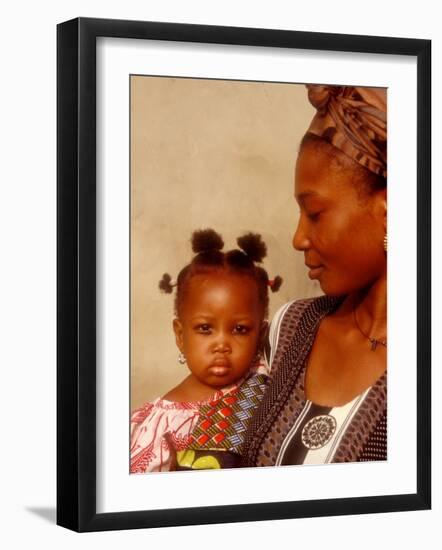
column 209, row 257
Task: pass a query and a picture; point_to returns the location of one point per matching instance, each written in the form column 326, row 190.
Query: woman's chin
column 332, row 290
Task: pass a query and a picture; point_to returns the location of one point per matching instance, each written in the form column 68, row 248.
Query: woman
column 328, row 398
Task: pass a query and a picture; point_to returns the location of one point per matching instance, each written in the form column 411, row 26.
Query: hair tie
column 275, row 284
column 167, row 284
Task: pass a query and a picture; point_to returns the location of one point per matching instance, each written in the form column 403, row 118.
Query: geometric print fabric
column 223, row 423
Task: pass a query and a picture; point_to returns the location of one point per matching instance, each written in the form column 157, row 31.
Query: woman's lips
column 315, row 271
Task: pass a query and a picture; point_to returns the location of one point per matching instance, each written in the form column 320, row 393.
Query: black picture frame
column 77, row 287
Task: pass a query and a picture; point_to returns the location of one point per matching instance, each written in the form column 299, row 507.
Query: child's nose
column 222, row 344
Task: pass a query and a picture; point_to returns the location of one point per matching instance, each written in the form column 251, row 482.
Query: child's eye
column 240, row 329
column 204, row 328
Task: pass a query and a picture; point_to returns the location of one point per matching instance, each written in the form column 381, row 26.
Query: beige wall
column 206, row 153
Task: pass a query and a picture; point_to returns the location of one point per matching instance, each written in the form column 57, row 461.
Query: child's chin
column 219, row 381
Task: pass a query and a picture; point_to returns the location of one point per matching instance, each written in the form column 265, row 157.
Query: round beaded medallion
column 318, row 431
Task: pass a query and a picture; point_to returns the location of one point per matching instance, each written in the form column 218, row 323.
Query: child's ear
column 178, row 330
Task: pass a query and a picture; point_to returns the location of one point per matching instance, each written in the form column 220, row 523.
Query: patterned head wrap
column 353, row 119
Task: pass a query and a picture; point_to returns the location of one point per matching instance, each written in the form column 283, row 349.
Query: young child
column 221, row 306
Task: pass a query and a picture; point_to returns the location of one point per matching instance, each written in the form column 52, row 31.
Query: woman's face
column 219, row 327
column 341, row 227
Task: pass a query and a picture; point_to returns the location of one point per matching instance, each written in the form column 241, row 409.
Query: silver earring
column 181, row 358
column 385, row 242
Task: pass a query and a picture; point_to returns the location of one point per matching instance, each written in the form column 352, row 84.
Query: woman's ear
column 381, row 207
column 178, row 330
column 384, row 206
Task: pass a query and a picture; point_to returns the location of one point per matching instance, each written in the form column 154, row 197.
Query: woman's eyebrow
column 305, row 195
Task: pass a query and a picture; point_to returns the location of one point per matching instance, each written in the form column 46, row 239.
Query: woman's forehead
column 319, row 174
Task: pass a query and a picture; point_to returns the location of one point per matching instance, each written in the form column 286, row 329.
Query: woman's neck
column 370, row 306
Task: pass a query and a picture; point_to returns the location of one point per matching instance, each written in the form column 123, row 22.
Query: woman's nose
column 300, row 239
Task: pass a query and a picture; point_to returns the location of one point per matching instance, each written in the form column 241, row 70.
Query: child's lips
column 219, row 371
column 219, row 367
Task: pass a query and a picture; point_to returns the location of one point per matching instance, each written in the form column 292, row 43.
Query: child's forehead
column 224, row 285
column 221, row 292
column 221, row 278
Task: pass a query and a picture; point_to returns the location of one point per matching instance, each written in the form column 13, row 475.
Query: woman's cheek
column 320, row 243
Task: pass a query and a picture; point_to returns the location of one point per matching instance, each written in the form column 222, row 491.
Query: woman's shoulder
column 316, row 302
column 296, row 308
column 292, row 311
column 288, row 318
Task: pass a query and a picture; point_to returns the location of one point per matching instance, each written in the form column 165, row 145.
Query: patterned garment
column 162, row 429
column 218, row 437
column 353, row 119
column 275, row 434
column 317, row 432
column 156, row 429
column 224, row 422
column 190, row 459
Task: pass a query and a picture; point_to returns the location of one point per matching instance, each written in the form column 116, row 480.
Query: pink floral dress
column 160, row 428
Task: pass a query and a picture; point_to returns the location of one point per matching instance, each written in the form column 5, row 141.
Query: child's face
column 219, row 327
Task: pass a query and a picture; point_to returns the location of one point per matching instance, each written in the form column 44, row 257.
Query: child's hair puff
column 253, row 246
column 206, row 240
column 209, row 257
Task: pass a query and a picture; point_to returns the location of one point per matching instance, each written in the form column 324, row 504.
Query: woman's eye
column 313, row 216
